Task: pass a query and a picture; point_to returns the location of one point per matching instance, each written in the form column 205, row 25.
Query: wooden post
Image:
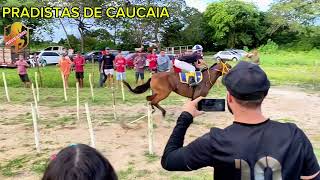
column 35, row 128
column 122, row 89
column 64, row 87
column 180, row 49
column 150, row 129
column 78, row 101
column 5, row 86
column 91, row 86
column 37, row 85
column 93, row 144
column 35, row 100
column 114, row 103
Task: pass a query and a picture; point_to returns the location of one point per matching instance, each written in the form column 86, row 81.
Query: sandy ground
column 129, row 146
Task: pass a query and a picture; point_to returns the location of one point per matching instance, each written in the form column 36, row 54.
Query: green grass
column 300, row 69
column 293, row 68
column 201, row 174
column 124, row 174
column 151, row 157
column 40, row 165
column 36, row 163
column 13, row 167
column 317, row 152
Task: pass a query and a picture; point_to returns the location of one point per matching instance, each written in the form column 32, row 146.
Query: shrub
column 270, row 47
column 245, row 48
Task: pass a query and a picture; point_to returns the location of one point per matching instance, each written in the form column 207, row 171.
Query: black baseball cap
column 247, row 81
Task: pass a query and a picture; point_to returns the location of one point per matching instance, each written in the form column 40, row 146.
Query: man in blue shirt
column 163, row 62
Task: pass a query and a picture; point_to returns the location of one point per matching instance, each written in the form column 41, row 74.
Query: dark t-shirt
column 108, row 61
column 190, row 58
column 268, row 150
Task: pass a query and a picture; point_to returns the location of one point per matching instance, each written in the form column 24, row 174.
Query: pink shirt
column 79, row 63
column 21, row 67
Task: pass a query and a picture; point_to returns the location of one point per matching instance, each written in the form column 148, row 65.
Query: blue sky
column 199, row 4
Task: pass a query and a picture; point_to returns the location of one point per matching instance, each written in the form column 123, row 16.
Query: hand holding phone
column 211, row 105
column 191, row 107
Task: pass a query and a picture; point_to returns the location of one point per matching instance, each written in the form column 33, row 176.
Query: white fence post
column 93, row 144
column 5, row 86
column 35, row 128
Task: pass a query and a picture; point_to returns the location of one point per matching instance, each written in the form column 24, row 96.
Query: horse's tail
column 139, row 89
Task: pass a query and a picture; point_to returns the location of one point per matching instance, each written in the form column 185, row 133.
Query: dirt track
column 128, row 146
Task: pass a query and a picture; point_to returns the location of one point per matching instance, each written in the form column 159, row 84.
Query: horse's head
column 221, row 67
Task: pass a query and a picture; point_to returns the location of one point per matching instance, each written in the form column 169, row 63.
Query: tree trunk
column 115, row 34
column 65, row 31
column 81, row 39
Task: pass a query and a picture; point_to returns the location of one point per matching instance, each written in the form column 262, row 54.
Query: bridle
column 224, row 71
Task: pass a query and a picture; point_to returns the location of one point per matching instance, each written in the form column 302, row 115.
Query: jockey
column 191, row 62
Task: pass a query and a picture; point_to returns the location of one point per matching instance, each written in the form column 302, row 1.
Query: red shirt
column 152, row 58
column 79, row 63
column 120, row 64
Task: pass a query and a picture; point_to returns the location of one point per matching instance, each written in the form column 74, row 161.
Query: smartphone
column 211, row 105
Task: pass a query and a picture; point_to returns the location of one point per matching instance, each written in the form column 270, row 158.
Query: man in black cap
column 253, row 147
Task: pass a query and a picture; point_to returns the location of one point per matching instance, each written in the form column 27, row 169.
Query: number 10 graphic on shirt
column 259, row 168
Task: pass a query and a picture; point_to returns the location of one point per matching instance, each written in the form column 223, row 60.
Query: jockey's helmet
column 197, row 48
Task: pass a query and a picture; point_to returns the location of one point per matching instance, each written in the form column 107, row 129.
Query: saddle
column 184, row 77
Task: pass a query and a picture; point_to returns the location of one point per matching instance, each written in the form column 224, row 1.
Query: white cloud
column 199, row 4
column 263, row 5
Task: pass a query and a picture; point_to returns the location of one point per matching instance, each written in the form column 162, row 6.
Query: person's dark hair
column 251, row 104
column 119, row 51
column 79, row 162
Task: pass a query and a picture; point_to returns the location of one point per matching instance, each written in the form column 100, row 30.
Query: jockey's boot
column 192, row 82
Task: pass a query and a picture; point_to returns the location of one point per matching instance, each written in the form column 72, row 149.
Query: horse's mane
column 209, row 67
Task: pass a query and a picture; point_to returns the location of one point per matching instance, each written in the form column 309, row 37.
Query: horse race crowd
column 252, row 147
column 109, row 65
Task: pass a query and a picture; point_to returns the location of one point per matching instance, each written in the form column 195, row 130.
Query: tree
column 296, row 15
column 194, row 28
column 172, row 33
column 234, row 22
column 293, row 23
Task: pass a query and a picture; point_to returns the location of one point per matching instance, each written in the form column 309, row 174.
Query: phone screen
column 211, row 105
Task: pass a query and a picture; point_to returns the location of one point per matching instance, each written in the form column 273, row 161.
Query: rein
column 224, row 71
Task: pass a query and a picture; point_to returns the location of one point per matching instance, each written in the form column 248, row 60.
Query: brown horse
column 162, row 84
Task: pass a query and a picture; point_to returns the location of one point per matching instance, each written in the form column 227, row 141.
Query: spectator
column 120, row 63
column 22, row 66
column 65, row 68
column 163, row 62
column 79, row 63
column 102, row 76
column 36, row 60
column 139, row 64
column 79, row 162
column 152, row 59
column 107, row 66
column 253, row 147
